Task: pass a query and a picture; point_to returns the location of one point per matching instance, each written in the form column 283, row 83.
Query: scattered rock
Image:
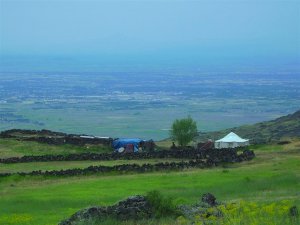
column 205, row 208
column 209, row 199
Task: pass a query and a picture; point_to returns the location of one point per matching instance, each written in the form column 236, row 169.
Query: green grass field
column 273, row 176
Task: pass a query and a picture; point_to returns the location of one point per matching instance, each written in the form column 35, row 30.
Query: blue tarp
column 123, row 142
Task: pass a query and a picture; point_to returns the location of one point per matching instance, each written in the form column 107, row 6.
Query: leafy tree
column 183, row 130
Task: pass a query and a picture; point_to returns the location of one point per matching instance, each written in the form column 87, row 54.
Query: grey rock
column 209, row 199
column 134, row 207
column 294, row 211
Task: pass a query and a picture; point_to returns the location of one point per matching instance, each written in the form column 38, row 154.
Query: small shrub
column 162, row 206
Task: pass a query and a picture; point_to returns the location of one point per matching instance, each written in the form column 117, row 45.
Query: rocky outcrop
column 132, row 208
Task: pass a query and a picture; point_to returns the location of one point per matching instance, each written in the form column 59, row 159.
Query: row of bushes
column 124, row 168
column 218, row 155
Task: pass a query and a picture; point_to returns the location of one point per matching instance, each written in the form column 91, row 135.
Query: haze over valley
column 143, row 104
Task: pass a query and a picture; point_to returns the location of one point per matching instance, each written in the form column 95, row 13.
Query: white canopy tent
column 231, row 140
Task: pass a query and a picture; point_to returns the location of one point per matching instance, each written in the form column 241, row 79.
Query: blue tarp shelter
column 124, row 142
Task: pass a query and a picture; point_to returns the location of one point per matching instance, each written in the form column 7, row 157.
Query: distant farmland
column 136, row 104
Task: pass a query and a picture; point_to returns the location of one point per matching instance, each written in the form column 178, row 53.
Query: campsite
column 111, row 176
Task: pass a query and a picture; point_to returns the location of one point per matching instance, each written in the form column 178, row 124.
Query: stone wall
column 125, row 168
column 217, row 155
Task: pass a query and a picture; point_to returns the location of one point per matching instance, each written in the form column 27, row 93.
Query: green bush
column 162, row 206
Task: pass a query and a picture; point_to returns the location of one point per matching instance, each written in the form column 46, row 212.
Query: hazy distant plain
column 143, row 104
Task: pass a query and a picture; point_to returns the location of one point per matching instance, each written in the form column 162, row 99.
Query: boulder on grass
column 209, row 199
column 132, row 208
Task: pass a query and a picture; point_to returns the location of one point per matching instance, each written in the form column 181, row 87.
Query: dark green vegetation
column 265, row 132
column 271, row 177
column 183, row 130
column 162, row 206
column 143, row 104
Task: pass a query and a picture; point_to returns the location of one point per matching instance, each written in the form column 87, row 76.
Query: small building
column 231, row 140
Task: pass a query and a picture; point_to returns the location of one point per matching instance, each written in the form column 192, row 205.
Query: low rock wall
column 217, row 155
column 125, row 168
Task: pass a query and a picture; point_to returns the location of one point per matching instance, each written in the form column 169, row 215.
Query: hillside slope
column 264, row 132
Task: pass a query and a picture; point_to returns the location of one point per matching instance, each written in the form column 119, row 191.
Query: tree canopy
column 183, row 130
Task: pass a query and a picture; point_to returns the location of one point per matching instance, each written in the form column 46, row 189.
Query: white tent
column 231, row 140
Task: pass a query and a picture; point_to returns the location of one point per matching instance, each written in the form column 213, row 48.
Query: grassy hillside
column 271, row 177
column 15, row 148
column 285, row 127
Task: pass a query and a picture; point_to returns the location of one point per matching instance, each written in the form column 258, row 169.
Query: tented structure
column 231, row 140
column 127, row 144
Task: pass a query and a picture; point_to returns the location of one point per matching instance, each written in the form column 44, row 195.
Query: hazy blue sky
column 160, row 31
